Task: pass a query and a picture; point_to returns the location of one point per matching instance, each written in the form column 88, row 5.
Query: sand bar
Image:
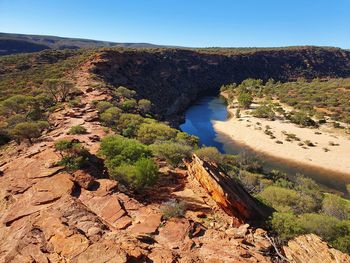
column 247, row 132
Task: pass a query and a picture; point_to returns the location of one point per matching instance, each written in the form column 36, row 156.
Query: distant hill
column 20, row 43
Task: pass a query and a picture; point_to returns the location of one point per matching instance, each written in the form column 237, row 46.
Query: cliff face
column 172, row 78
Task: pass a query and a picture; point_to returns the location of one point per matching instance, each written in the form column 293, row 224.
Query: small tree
column 17, row 104
column 336, row 206
column 172, row 152
column 118, row 149
column 144, row 106
column 151, row 132
column 128, row 105
column 187, row 139
column 128, row 160
column 264, row 111
column 128, row 124
column 238, row 113
column 102, row 106
column 209, row 154
column 245, row 99
column 110, row 116
column 59, row 89
column 143, row 173
column 124, row 92
column 28, row 130
column 286, row 225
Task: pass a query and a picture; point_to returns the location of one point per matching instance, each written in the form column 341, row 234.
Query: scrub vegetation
column 312, row 100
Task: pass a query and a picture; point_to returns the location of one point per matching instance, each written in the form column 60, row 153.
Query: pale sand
column 337, row 159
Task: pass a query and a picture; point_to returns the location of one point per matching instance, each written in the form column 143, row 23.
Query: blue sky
column 195, row 23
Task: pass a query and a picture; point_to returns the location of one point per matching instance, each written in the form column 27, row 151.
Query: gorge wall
column 173, row 78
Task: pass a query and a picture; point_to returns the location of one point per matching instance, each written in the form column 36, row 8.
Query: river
column 198, row 122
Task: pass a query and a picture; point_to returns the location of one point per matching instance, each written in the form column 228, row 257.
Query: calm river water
column 198, row 122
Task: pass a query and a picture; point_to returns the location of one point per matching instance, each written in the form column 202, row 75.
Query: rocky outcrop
column 226, row 192
column 49, row 215
column 173, row 78
column 310, row 248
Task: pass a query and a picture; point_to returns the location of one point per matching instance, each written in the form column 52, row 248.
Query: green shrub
column 141, row 174
column 302, row 118
column 110, row 116
column 287, row 200
column 102, row 106
column 75, row 103
column 64, row 145
column 276, row 175
column 286, row 225
column 186, row 139
column 209, row 154
column 124, row 92
column 333, row 205
column 128, row 160
column 172, row 152
column 149, row 133
column 342, row 239
column 118, row 149
column 79, row 129
column 245, row 99
column 15, row 119
column 128, row 105
column 28, row 130
column 144, row 106
column 128, row 124
column 17, row 104
column 322, row 225
column 308, row 186
column 264, row 111
column 249, row 162
column 329, row 228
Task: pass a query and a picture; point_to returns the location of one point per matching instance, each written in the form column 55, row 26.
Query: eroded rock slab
column 310, row 248
column 226, row 192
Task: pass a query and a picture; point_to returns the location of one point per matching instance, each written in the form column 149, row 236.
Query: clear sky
column 195, row 23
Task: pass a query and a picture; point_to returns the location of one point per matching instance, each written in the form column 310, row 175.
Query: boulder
column 148, row 224
column 83, row 179
column 174, row 233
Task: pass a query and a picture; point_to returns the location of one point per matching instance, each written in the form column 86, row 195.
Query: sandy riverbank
column 249, row 132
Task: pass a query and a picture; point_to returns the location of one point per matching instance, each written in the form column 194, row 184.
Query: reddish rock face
column 172, row 79
column 226, row 192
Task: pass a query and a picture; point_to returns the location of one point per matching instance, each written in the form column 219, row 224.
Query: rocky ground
column 49, row 215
